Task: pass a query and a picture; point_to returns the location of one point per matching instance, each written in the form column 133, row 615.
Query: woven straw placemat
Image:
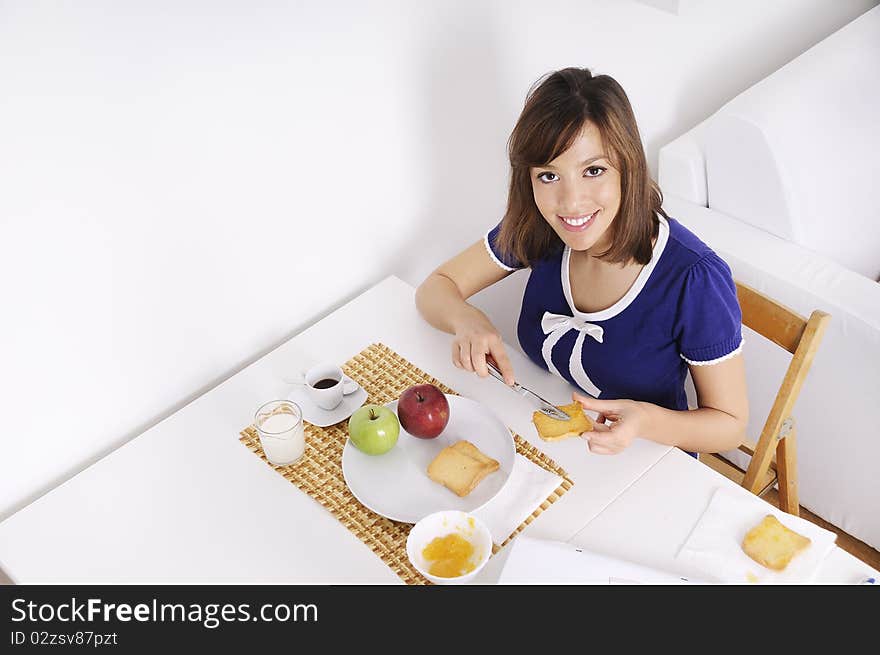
column 384, row 375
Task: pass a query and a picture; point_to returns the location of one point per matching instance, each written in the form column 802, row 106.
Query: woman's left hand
column 628, row 419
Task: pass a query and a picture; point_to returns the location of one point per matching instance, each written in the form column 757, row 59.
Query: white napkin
column 715, row 544
column 527, row 487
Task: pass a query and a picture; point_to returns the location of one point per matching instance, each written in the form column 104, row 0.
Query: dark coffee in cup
column 324, row 385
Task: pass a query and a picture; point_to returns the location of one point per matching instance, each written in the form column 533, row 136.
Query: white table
column 653, row 518
column 648, row 522
column 185, row 502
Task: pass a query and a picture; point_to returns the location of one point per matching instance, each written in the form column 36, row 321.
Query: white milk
column 287, row 442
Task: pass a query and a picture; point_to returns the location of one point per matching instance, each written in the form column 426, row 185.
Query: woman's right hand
column 474, row 338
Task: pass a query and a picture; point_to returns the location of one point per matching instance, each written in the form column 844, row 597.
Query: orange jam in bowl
column 450, row 556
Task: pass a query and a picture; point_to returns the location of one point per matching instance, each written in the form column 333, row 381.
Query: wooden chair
column 800, row 337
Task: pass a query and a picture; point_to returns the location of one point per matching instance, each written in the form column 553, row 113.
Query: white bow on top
column 557, row 325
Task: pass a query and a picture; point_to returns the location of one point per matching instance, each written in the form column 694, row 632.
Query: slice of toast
column 551, row 429
column 773, row 545
column 461, row 467
column 469, row 449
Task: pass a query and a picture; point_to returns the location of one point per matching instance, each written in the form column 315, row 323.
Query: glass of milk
column 282, row 436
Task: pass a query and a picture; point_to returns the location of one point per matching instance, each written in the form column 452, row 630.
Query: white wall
column 185, row 185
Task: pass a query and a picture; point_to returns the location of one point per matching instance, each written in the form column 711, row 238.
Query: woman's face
column 578, row 193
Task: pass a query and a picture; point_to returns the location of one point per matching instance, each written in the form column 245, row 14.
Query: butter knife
column 542, row 405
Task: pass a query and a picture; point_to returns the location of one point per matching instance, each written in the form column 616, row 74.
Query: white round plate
column 396, row 485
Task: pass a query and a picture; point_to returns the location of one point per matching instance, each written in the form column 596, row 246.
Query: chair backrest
column 800, row 337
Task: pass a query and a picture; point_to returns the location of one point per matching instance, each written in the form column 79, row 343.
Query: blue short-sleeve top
column 682, row 309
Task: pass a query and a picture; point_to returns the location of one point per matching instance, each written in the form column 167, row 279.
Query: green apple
column 373, row 429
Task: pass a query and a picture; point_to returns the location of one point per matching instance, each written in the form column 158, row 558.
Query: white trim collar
column 634, row 290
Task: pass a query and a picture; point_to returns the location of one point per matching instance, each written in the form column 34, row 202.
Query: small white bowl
column 440, row 524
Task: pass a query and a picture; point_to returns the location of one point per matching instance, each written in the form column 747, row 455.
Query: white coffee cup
column 325, row 384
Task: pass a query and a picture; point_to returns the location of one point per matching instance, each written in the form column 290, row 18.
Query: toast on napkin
column 551, row 429
column 461, row 467
column 773, row 545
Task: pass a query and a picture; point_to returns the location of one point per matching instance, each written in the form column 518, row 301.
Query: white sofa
column 782, row 182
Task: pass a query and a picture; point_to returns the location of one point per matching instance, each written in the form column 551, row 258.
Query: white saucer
column 324, row 417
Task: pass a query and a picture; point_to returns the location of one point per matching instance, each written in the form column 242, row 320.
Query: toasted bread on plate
column 461, row 467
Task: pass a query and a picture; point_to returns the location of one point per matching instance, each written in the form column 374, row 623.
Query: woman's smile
column 578, row 223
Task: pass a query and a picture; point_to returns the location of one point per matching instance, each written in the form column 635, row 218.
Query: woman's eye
column 594, row 171
column 544, row 177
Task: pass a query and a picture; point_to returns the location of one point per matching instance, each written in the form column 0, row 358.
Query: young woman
column 621, row 300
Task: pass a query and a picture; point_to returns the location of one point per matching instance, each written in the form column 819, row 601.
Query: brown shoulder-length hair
column 557, row 107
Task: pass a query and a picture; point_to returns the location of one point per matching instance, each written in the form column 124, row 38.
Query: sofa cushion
column 796, row 155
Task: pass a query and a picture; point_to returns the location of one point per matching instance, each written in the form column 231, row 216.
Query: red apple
column 423, row 411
